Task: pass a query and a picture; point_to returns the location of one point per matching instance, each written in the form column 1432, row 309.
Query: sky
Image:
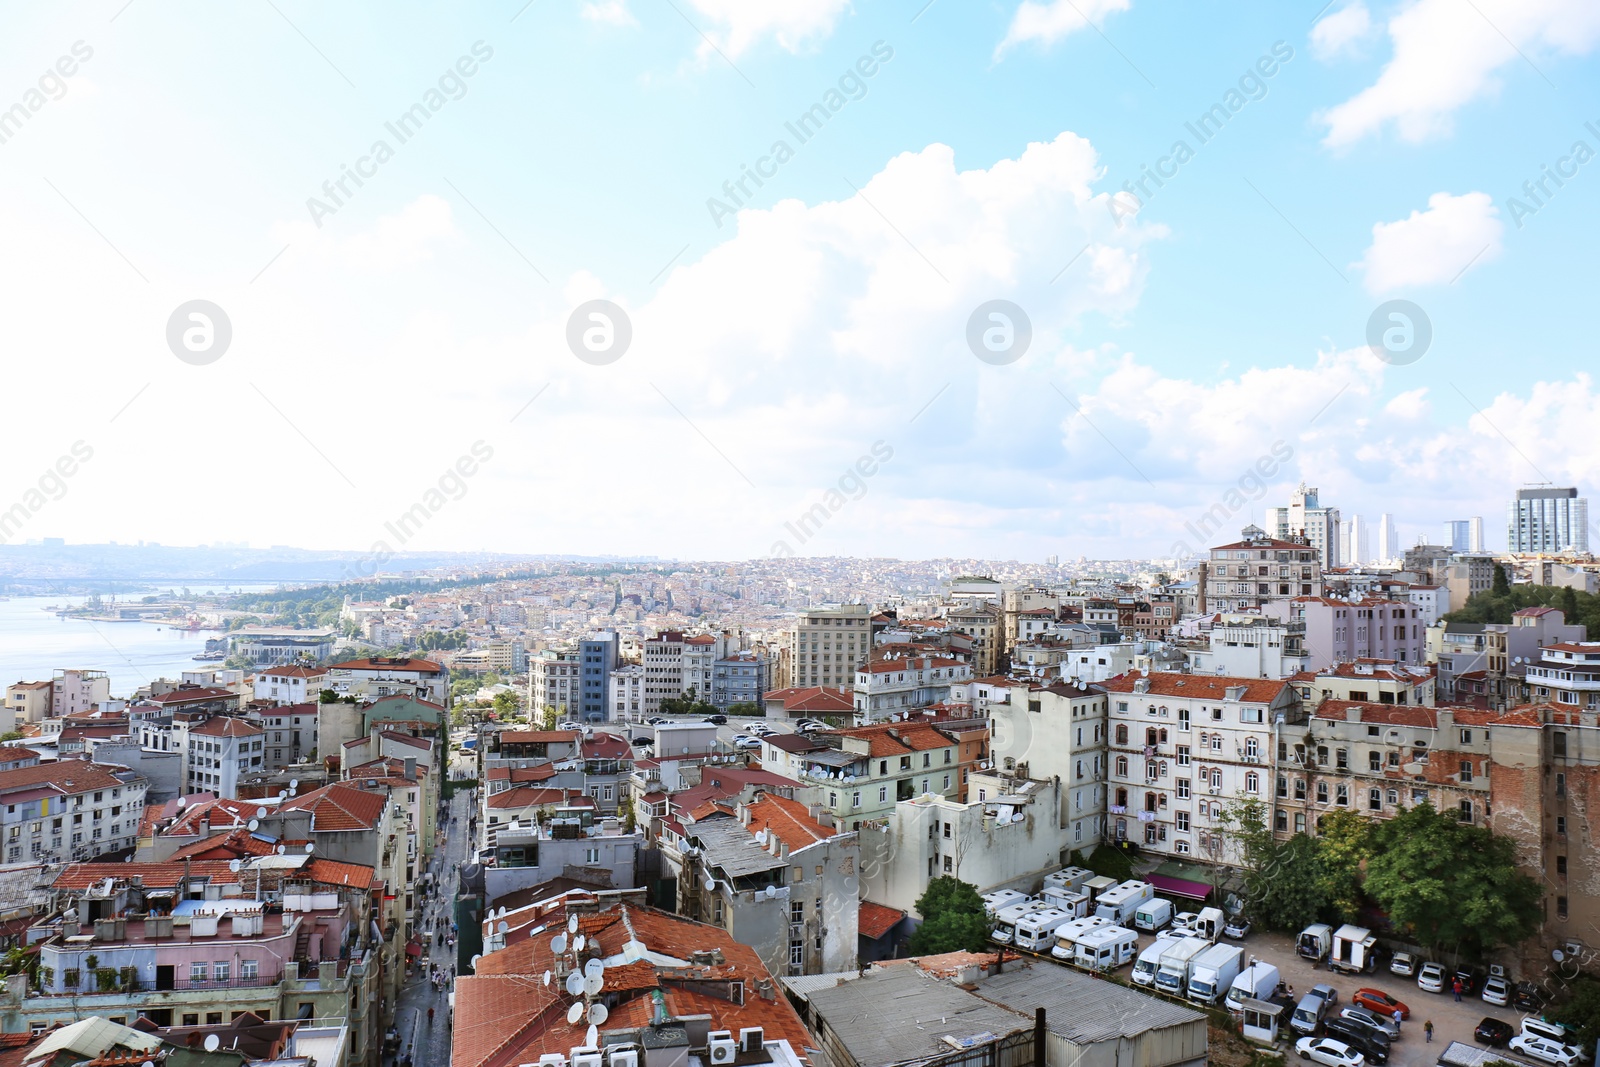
column 730, row 279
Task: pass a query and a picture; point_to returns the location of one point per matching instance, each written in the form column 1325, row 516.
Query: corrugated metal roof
column 1081, row 1009
column 895, row 1014
column 806, row 984
column 730, row 845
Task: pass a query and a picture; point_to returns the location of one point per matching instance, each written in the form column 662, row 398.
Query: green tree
column 626, row 812
column 1582, row 1010
column 505, row 705
column 953, row 918
column 1569, row 603
column 1344, row 843
column 1454, row 885
column 1501, row 586
column 1282, row 882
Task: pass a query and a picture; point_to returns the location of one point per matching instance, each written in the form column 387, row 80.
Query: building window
column 221, row 970
column 1183, row 821
column 1341, row 794
column 883, row 794
column 797, row 953
column 1280, row 820
column 1252, row 782
column 948, row 867
column 1182, row 786
column 1183, row 755
column 1375, row 799
column 855, row 799
column 1299, row 822
column 1561, row 866
column 1466, row 811
column 1466, row 737
column 197, row 972
column 1122, row 766
column 1283, row 786
column 1322, row 792
column 247, row 968
column 1561, row 908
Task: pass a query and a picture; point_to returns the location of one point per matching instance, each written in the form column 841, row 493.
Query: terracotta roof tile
column 1198, row 686
column 338, row 806
column 874, row 920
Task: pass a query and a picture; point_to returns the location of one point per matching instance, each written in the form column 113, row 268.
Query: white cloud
column 1341, row 31
column 1447, row 54
column 402, row 239
column 1433, row 247
column 610, row 12
column 1047, row 21
column 736, row 26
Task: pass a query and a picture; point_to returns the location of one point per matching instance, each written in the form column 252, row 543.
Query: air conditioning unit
column 1216, row 789
column 552, row 1059
column 627, row 1057
column 587, row 1057
column 722, row 1046
column 751, row 1039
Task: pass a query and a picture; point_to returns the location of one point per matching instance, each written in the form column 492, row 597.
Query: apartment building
column 740, row 678
column 780, row 877
column 556, row 681
column 627, row 693
column 69, row 810
column 1256, row 570
column 218, row 751
column 1248, row 645
column 982, row 623
column 663, row 670
column 74, row 692
column 1057, row 731
column 288, row 733
column 1566, row 674
column 828, row 645
column 597, row 659
column 700, row 655
column 884, row 686
column 381, row 676
column 1306, row 516
column 1368, row 681
column 874, row 768
column 290, row 685
column 1337, row 631
column 1181, row 746
column 1548, row 520
column 28, row 702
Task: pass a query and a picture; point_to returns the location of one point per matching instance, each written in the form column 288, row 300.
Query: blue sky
column 1176, row 338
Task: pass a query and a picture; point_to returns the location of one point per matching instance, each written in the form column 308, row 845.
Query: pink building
column 1339, row 631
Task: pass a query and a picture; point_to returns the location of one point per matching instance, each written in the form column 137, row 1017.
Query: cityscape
column 1050, row 533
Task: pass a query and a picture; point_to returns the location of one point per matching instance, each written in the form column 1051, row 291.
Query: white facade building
column 627, row 693
column 885, row 686
column 290, row 685
column 1306, row 515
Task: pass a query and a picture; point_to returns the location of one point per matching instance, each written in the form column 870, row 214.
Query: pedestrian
column 1427, row 1028
column 430, row 1018
column 1397, row 1018
column 1456, row 989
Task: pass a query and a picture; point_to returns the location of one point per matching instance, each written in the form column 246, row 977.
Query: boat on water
column 210, row 657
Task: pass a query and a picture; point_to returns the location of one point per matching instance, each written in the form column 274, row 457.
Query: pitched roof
column 423, row 666
column 152, row 875
column 816, row 698
column 293, row 672
column 523, row 737
column 874, row 920
column 789, row 820
column 338, row 806
column 68, row 776
column 333, row 872
column 525, row 796
column 227, row 726
column 1199, row 686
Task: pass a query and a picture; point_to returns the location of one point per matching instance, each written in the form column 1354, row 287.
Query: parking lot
column 1451, row 1021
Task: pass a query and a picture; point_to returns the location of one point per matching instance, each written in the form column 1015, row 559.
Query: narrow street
column 429, row 1044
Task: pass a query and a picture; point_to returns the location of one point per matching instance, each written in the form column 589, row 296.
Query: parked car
column 1329, row 995
column 760, row 728
column 568, row 724
column 1379, row 1002
column 746, row 741
column 1184, row 921
column 1371, row 1044
column 1493, row 1032
column 717, row 720
column 1430, row 979
column 1496, row 991
column 810, row 724
column 1543, row 1049
column 641, row 741
column 1237, row 928
column 1470, row 978
column 1326, row 1050
column 1383, row 1024
column 1528, row 997
column 1556, row 1033
column 655, row 720
column 1404, row 964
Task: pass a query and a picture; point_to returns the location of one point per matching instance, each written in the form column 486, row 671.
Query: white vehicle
column 1496, row 991
column 1404, row 964
column 1068, row 878
column 1430, row 979
column 1036, row 931
column 1555, row 1032
column 996, row 899
column 1005, row 920
column 1543, row 1049
column 1315, row 941
column 1327, row 1050
column 1355, row 950
column 1152, row 915
column 1213, row 973
column 1209, row 923
column 1066, row 946
column 1106, row 948
column 1257, row 981
column 1119, row 904
column 1173, row 973
column 1183, row 922
column 1098, row 885
column 1073, row 901
column 568, row 724
column 1144, row 968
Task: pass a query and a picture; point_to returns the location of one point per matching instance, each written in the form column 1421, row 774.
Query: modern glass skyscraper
column 1548, row 520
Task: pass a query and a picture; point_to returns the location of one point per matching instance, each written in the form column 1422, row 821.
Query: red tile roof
column 422, row 666
column 522, row 737
column 874, row 920
column 537, row 773
column 233, row 844
column 817, row 698
column 1199, row 686
column 789, row 820
column 338, row 807
column 333, row 872
column 227, row 726
column 153, row 875
column 197, row 693
column 69, row 776
column 525, row 796
column 294, row 672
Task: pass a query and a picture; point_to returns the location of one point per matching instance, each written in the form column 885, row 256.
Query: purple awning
column 1179, row 887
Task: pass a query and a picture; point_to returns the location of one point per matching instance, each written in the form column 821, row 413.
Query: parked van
column 1097, row 885
column 1118, row 904
column 1208, row 924
column 1106, row 948
column 1259, row 981
column 1152, row 915
column 1355, row 950
column 1177, row 963
column 996, row 899
column 1036, row 931
column 1556, row 1032
column 1149, row 961
column 1308, row 1015
column 1066, row 946
column 1315, row 941
column 1005, row 920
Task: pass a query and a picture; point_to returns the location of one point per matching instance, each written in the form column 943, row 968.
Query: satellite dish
column 233, row 865
column 575, row 1012
column 572, row 924
column 182, row 802
column 282, row 849
column 575, row 985
column 252, row 824
column 577, row 946
column 591, row 1039
column 772, row 891
column 504, row 927
column 593, row 967
column 213, row 1042
column 598, row 1014
column 311, row 847
column 148, row 1063
column 711, row 885
column 593, row 983
column 294, row 783
column 547, row 978
column 502, row 911
column 558, row 944
column 282, row 793
column 479, row 956
column 1557, row 955
column 261, row 813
